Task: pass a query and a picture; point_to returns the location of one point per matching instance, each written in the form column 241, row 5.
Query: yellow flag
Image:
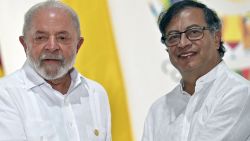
column 98, row 60
column 1, row 69
column 1, row 66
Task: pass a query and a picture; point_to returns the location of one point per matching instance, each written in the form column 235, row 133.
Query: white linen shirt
column 31, row 110
column 219, row 110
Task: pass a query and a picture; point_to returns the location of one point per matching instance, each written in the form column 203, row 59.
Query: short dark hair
column 211, row 18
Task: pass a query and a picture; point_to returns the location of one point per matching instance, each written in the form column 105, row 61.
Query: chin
column 189, row 67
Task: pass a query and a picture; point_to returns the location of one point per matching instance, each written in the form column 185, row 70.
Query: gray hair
column 50, row 4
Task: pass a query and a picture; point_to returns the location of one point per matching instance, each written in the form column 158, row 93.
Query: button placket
column 70, row 120
column 189, row 113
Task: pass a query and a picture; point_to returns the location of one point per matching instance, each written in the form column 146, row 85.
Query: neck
column 61, row 84
column 189, row 86
column 190, row 78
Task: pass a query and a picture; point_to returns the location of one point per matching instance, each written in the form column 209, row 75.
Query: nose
column 184, row 41
column 52, row 44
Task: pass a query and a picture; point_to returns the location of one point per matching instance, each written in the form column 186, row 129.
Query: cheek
column 68, row 51
column 207, row 52
column 173, row 59
column 206, row 48
column 35, row 52
column 171, row 54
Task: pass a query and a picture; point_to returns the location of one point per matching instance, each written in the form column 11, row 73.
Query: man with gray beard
column 47, row 99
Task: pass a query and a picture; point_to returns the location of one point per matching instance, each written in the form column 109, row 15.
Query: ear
column 217, row 39
column 79, row 44
column 22, row 41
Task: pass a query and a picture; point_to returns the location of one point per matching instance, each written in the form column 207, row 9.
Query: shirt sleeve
column 230, row 120
column 11, row 127
column 148, row 128
column 109, row 136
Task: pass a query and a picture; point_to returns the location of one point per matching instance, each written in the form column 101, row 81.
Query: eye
column 195, row 32
column 40, row 38
column 63, row 38
column 173, row 37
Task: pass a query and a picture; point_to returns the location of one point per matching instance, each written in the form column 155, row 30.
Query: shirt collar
column 76, row 79
column 212, row 74
column 208, row 77
column 33, row 79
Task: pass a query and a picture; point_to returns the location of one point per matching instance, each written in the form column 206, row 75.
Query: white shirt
column 219, row 110
column 31, row 110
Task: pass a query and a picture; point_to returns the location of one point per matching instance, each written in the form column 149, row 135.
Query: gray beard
column 45, row 72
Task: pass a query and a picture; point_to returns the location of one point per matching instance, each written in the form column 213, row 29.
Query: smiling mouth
column 186, row 55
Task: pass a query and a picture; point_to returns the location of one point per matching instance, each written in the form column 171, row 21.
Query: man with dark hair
column 211, row 103
column 48, row 99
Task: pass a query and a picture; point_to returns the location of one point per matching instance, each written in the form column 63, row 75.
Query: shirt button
column 96, row 132
column 66, row 102
column 70, row 124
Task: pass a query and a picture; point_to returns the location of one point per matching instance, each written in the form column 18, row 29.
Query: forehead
column 185, row 18
column 52, row 20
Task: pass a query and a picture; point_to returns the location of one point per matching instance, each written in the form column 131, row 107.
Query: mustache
column 45, row 56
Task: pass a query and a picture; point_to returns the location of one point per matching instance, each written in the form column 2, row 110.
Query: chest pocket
column 96, row 134
column 38, row 130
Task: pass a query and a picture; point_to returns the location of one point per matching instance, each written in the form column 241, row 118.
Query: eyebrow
column 63, row 32
column 188, row 27
column 194, row 25
column 44, row 32
column 40, row 32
